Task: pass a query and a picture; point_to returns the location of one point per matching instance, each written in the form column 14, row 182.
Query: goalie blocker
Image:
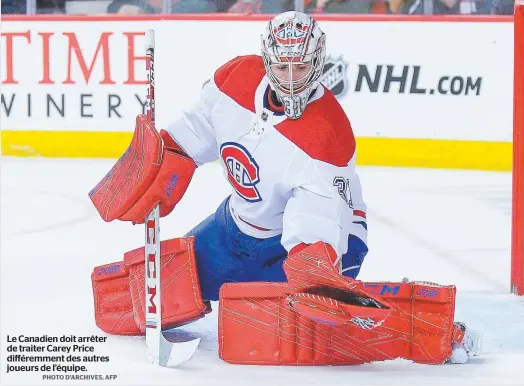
column 153, row 170
column 318, row 318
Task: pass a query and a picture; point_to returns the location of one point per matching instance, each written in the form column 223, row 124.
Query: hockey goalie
column 283, row 252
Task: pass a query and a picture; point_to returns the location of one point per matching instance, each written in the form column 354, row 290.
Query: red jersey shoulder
column 239, row 79
column 323, row 132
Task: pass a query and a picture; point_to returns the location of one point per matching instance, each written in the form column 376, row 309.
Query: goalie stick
column 159, row 350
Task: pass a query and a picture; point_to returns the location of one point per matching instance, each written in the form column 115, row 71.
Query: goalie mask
column 293, row 49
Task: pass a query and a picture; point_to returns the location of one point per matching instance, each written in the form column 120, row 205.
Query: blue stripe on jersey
column 363, row 223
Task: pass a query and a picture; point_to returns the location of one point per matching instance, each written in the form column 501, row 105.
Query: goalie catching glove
column 153, row 170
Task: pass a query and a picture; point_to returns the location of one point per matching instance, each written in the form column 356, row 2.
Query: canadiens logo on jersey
column 242, row 170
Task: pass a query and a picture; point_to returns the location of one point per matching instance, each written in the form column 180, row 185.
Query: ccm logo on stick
column 150, row 272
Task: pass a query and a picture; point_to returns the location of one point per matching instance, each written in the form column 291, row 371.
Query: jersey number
column 344, row 191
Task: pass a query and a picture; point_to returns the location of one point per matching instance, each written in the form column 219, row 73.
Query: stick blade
column 173, row 352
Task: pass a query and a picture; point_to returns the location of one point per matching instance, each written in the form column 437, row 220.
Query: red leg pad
column 181, row 297
column 257, row 325
column 118, row 290
column 112, row 297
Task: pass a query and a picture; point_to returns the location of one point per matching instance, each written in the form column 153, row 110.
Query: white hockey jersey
column 291, row 177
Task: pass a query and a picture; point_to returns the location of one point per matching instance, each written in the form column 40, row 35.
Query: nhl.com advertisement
column 391, row 78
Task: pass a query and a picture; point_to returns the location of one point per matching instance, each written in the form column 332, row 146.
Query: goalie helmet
column 293, row 38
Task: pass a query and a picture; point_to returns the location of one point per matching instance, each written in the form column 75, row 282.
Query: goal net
column 517, row 250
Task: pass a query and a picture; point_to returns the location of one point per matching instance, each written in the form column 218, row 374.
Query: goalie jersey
column 291, row 177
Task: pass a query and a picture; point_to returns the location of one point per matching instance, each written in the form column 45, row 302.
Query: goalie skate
column 470, row 346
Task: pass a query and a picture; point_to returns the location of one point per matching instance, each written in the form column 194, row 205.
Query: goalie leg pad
column 112, row 300
column 118, row 290
column 257, row 325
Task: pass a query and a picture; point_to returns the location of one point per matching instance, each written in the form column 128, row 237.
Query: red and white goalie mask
column 293, row 49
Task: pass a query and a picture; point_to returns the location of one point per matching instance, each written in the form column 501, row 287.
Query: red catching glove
column 325, row 295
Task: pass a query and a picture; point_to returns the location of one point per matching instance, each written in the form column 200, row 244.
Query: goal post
column 517, row 239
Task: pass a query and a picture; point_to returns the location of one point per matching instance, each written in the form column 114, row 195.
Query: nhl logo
column 334, row 76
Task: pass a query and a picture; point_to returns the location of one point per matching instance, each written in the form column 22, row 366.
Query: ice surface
column 451, row 227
